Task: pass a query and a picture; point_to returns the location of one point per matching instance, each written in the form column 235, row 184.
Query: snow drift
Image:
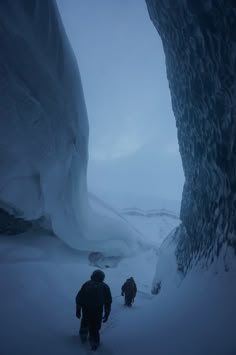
column 44, row 128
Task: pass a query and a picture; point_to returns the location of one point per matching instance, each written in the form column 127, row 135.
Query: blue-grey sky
column 133, row 144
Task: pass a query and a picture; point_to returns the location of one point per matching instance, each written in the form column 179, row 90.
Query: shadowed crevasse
column 199, row 40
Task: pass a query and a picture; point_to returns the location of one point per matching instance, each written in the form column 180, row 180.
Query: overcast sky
column 133, row 140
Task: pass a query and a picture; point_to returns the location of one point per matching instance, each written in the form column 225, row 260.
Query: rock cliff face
column 199, row 40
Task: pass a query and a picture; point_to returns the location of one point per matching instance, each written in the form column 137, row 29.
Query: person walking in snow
column 129, row 290
column 94, row 299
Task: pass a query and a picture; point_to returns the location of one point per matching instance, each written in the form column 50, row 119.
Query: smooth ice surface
column 44, row 131
column 43, row 128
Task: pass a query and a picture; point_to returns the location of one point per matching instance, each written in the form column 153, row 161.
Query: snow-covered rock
column 44, row 129
column 200, row 47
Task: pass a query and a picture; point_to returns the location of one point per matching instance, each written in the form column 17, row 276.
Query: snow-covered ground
column 152, row 223
column 40, row 276
column 38, row 303
column 121, row 199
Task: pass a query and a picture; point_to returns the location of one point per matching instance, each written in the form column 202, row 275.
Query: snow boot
column 94, row 345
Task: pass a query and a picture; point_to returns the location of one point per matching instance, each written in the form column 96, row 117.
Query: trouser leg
column 84, row 327
column 94, row 336
column 94, row 328
column 128, row 300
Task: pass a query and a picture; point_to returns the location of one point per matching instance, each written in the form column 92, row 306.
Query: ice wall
column 199, row 40
column 44, row 128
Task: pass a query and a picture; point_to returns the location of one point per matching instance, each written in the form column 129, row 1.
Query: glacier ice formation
column 200, row 47
column 44, row 130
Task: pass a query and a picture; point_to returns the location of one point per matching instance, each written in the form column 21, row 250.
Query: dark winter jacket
column 129, row 288
column 95, row 296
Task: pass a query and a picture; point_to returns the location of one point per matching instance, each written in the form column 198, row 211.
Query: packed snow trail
column 37, row 308
column 39, row 279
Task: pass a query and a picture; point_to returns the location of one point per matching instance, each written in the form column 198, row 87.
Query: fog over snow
column 133, row 148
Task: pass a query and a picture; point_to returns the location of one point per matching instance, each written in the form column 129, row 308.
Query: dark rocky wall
column 12, row 225
column 199, row 40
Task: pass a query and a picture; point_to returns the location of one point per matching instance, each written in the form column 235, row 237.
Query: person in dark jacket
column 129, row 290
column 94, row 299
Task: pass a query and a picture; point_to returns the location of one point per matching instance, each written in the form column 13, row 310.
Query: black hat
column 98, row 275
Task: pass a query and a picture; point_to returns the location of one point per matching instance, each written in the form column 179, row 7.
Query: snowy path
column 39, row 282
column 37, row 310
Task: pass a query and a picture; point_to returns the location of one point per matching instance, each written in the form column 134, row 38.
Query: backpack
column 92, row 294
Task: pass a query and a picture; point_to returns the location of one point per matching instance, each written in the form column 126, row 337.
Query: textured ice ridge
column 200, row 48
